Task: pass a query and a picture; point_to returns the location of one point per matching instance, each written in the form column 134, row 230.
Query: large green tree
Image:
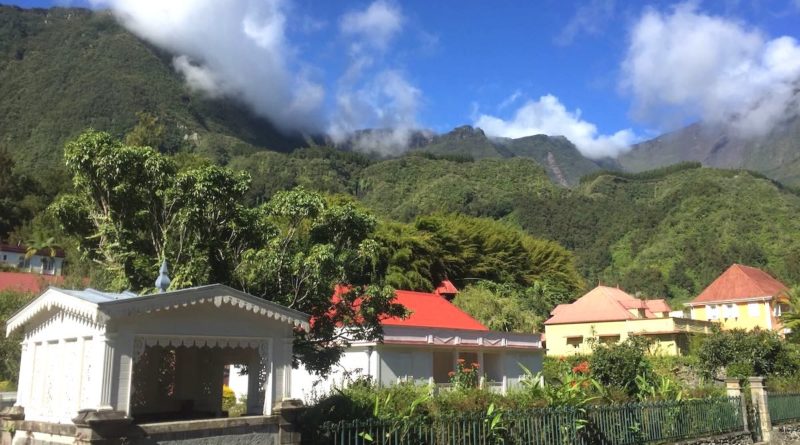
column 132, row 209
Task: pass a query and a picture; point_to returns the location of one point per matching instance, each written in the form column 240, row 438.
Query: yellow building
column 742, row 297
column 610, row 315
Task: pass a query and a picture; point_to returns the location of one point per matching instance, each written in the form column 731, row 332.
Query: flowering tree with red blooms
column 581, row 368
column 465, row 377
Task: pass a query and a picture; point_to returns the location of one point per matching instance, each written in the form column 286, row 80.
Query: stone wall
column 242, row 430
column 788, row 434
column 740, row 438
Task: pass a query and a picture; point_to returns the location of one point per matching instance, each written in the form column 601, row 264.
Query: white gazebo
column 153, row 357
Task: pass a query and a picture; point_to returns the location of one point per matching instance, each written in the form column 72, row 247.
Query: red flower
column 461, row 361
column 581, row 368
column 467, row 370
column 451, row 373
column 475, row 365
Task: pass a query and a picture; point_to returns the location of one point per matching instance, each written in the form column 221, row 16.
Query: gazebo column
column 25, row 374
column 104, row 350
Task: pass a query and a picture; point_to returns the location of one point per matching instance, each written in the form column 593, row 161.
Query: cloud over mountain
column 685, row 64
column 549, row 116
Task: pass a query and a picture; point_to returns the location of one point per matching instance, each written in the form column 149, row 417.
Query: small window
column 730, row 311
column 712, row 312
column 575, row 341
column 752, row 309
column 609, row 339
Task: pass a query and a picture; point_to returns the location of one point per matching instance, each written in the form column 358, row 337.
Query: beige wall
column 561, row 337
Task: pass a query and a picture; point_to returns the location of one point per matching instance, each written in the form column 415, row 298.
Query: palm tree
column 36, row 245
column 791, row 318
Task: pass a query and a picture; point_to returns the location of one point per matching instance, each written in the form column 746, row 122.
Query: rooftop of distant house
column 21, row 248
column 604, row 303
column 740, row 282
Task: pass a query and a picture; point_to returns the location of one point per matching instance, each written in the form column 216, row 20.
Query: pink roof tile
column 603, row 303
column 740, row 282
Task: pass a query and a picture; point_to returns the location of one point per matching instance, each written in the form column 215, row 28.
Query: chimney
column 162, row 282
column 446, row 290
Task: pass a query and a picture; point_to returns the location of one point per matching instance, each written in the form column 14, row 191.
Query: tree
column 620, row 364
column 311, row 247
column 758, row 352
column 791, row 318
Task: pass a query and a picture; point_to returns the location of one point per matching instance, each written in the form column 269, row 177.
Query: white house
column 154, row 357
column 41, row 262
column 425, row 347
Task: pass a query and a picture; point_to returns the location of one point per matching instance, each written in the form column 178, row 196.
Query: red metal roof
column 604, row 303
column 27, row 282
column 741, row 282
column 432, row 311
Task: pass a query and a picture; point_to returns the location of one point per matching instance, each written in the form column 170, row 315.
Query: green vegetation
column 10, row 302
column 63, row 70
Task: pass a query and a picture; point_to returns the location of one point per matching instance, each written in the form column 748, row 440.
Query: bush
column 10, row 350
column 228, row 398
column 743, row 353
column 618, row 365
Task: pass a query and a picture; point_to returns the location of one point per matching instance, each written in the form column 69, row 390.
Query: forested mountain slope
column 63, row 70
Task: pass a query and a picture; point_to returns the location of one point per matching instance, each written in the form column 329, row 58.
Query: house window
column 23, row 263
column 730, row 311
column 4, row 258
column 575, row 341
column 752, row 309
column 609, row 338
column 712, row 311
column 48, row 265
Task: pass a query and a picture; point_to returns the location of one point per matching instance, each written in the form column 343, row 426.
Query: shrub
column 738, row 352
column 228, row 398
column 464, row 377
column 618, row 365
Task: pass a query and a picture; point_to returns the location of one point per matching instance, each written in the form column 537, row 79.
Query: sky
column 604, row 73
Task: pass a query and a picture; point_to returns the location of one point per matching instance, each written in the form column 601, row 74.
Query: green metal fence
column 783, row 407
column 633, row 423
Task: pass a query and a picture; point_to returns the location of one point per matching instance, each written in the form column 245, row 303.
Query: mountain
column 669, row 232
column 775, row 154
column 63, row 70
column 561, row 159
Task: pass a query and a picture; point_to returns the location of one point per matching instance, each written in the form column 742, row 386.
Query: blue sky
column 605, row 73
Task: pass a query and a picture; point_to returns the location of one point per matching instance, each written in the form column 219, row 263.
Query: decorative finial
column 162, row 282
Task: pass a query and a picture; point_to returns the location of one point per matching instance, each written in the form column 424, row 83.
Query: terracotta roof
column 604, row 303
column 445, row 288
column 432, row 311
column 27, row 282
column 657, row 305
column 740, row 282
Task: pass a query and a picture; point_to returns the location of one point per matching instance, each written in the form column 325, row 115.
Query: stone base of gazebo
column 107, row 427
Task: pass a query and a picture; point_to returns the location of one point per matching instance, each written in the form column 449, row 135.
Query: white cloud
column 387, row 102
column 549, row 116
column 376, row 25
column 686, row 64
column 590, row 18
column 233, row 48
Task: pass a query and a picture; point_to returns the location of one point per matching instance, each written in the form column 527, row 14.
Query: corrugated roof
column 432, row 311
column 739, row 283
column 604, row 303
column 96, row 296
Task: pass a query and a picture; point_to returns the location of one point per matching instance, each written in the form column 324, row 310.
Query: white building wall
column 32, row 264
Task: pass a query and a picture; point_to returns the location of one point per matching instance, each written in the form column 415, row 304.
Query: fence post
column 735, row 390
column 758, row 394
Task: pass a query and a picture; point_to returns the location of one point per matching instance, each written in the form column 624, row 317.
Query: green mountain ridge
column 66, row 69
column 561, row 159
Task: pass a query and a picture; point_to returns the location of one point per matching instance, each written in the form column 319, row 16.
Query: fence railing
column 632, row 423
column 783, row 407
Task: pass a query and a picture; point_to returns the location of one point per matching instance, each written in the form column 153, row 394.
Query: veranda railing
column 631, row 423
column 783, row 407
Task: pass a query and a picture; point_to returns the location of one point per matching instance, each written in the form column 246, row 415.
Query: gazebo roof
column 100, row 307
